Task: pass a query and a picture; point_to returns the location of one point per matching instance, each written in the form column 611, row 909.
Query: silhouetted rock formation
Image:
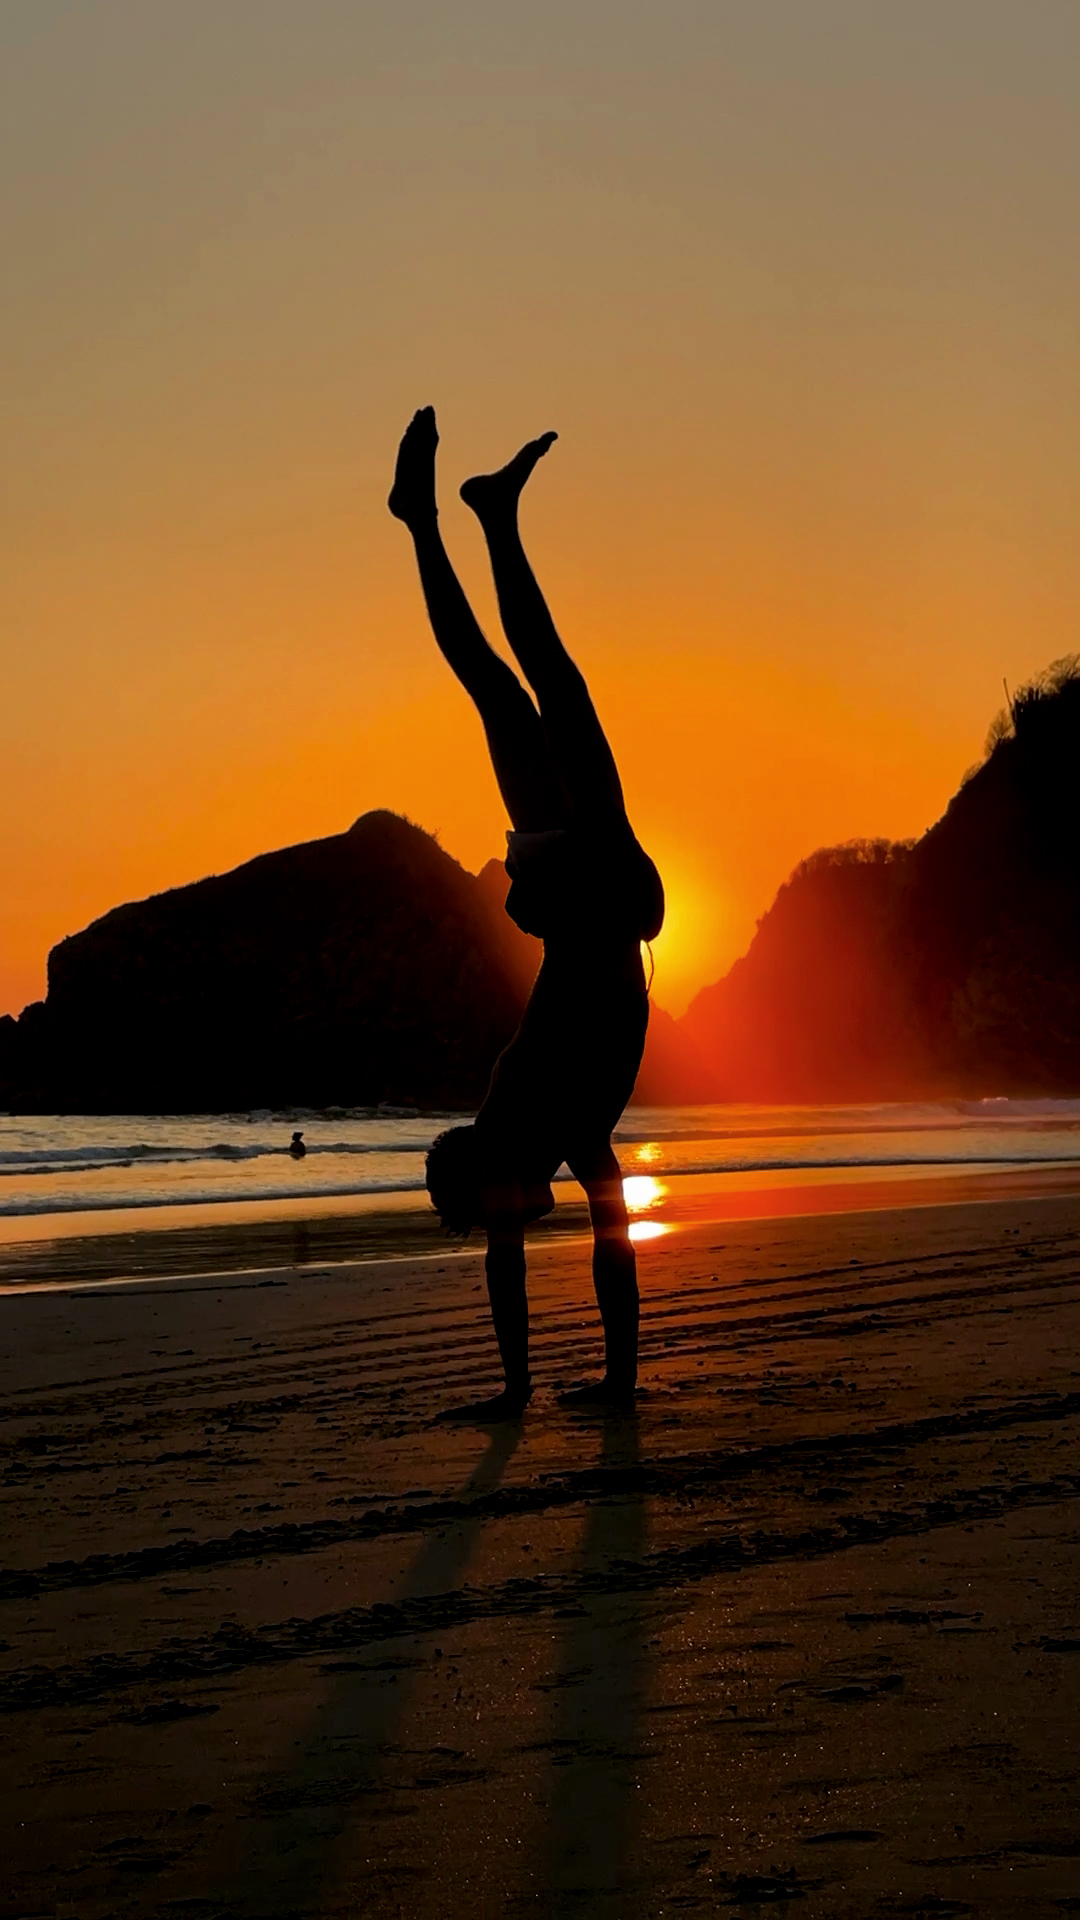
column 951, row 965
column 362, row 968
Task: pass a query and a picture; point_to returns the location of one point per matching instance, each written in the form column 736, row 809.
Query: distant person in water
column 297, row 1147
column 582, row 883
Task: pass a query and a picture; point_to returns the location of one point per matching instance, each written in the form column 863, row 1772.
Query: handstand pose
column 582, row 883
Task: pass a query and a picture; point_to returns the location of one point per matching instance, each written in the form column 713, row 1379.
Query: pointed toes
column 422, row 425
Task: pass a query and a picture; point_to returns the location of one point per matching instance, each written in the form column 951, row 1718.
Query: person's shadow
column 308, row 1813
column 599, row 1696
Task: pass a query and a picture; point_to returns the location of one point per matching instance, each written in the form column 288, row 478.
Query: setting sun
column 692, row 946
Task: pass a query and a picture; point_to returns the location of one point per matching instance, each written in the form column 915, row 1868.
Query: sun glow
column 693, row 944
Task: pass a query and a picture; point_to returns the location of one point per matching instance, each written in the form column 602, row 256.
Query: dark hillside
column 995, row 921
column 817, row 1008
column 952, row 965
column 360, row 968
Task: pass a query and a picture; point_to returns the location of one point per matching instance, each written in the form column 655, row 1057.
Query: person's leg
column 614, row 1277
column 520, row 753
column 578, row 744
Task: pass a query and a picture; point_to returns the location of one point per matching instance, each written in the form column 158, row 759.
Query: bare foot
column 600, row 1396
column 484, row 1413
column 489, row 494
column 412, row 496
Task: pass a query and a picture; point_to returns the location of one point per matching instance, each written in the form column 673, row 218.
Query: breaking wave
column 66, row 1165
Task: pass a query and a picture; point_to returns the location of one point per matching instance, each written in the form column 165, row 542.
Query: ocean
column 63, row 1172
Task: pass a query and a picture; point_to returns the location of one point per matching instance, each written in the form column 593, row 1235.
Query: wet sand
column 804, row 1633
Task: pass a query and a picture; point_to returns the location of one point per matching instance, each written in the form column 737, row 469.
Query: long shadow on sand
column 598, row 1689
column 294, row 1855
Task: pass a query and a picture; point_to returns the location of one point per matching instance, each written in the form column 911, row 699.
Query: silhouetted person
column 297, row 1147
column 581, row 882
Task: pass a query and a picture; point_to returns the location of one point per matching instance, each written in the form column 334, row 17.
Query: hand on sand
column 485, row 1413
column 489, row 494
column 412, row 496
column 600, row 1396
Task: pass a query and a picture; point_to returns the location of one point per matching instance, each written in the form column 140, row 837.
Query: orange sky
column 797, row 285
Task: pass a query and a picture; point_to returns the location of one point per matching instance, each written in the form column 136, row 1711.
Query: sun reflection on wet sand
column 647, row 1229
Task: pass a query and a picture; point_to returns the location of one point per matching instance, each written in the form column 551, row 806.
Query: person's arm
column 505, row 1270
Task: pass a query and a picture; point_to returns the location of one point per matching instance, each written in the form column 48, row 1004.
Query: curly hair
column 452, row 1175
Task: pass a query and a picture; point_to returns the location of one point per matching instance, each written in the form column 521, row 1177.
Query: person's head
column 453, row 1179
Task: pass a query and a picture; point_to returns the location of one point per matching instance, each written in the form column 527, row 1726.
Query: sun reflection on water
column 641, row 1192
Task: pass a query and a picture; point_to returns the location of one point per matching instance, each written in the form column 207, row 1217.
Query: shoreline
column 174, row 1242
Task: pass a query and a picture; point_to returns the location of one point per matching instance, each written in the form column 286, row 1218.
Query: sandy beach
column 804, row 1632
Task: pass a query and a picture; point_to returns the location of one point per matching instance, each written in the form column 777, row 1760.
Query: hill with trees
column 946, row 965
